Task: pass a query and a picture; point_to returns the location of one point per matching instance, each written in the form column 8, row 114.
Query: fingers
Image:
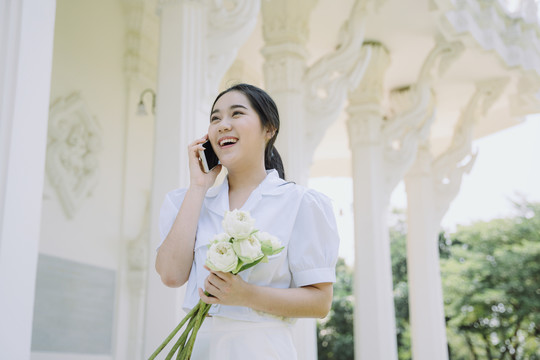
column 221, row 275
column 207, row 299
column 199, row 140
column 196, row 145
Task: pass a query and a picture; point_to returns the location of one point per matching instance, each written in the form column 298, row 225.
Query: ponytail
column 272, row 160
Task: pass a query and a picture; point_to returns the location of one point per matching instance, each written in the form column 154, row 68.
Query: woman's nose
column 224, row 125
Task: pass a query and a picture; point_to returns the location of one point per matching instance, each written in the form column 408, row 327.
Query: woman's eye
column 236, row 113
column 214, row 118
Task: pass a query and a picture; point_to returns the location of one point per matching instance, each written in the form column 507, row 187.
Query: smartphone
column 208, row 157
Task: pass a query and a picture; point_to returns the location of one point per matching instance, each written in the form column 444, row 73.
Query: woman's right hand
column 197, row 176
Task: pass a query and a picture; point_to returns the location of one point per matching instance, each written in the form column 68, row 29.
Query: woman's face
column 236, row 133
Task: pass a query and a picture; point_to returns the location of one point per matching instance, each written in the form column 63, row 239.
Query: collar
column 217, row 198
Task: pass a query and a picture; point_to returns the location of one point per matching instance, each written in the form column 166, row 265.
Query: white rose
column 248, row 250
column 270, row 244
column 238, row 224
column 221, row 257
column 220, row 237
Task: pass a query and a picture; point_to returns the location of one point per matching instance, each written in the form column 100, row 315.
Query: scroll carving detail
column 74, row 142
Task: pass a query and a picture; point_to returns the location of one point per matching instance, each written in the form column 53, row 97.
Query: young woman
column 250, row 312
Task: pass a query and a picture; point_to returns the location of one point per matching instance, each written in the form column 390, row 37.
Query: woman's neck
column 247, row 180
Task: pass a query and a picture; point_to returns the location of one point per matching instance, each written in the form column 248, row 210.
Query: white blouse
column 302, row 219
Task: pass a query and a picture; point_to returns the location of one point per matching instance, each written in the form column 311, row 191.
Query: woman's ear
column 270, row 133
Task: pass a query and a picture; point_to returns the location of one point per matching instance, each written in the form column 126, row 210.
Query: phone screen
column 208, row 157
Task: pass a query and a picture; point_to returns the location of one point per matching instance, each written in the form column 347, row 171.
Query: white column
column 284, row 66
column 383, row 148
column 140, row 69
column 428, row 329
column 374, row 319
column 374, row 316
column 199, row 41
column 178, row 122
column 431, row 185
column 308, row 99
column 26, row 43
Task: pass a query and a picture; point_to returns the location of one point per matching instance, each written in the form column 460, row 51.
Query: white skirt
column 222, row 339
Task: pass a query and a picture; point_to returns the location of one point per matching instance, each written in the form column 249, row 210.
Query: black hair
column 268, row 113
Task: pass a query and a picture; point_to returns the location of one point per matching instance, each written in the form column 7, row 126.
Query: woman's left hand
column 225, row 288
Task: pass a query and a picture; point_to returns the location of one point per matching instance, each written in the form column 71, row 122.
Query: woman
column 250, row 310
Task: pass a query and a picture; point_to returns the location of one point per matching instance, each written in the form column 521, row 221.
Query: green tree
column 335, row 333
column 398, row 251
column 491, row 285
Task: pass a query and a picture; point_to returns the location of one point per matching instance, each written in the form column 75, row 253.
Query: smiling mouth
column 227, row 142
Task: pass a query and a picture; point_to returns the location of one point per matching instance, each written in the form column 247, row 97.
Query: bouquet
column 238, row 248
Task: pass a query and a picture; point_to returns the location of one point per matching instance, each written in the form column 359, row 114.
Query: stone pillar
column 285, row 30
column 308, row 99
column 199, row 41
column 140, row 69
column 374, row 320
column 383, row 148
column 431, row 185
column 178, row 122
column 428, row 329
column 26, row 43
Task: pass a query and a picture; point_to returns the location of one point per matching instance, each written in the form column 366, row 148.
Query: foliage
column 335, row 333
column 491, row 283
column 398, row 251
column 491, row 286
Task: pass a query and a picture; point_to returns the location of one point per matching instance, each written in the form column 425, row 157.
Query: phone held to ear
column 208, row 157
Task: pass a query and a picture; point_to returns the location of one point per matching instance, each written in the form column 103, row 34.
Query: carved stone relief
column 74, row 142
column 142, row 38
column 511, row 35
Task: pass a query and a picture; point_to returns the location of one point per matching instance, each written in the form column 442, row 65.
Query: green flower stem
column 182, row 340
column 173, row 333
column 201, row 316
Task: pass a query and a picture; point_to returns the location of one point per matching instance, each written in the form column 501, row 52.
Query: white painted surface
column 26, row 43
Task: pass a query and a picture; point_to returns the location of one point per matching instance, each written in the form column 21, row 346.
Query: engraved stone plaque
column 74, row 307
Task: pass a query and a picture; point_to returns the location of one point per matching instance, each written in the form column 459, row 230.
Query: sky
column 507, row 168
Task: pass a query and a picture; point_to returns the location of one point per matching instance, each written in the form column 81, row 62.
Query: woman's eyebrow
column 230, row 108
column 238, row 106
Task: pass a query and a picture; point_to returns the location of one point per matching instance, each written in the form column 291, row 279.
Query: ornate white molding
column 370, row 90
column 228, row 27
column 514, row 37
column 142, row 37
column 286, row 21
column 526, row 99
column 328, row 80
column 72, row 152
column 449, row 167
column 412, row 110
column 415, row 111
column 285, row 31
column 439, row 60
column 365, row 101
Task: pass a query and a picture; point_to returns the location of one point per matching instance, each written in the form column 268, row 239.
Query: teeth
column 227, row 141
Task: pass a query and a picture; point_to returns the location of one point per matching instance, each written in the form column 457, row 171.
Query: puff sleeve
column 169, row 210
column 313, row 247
